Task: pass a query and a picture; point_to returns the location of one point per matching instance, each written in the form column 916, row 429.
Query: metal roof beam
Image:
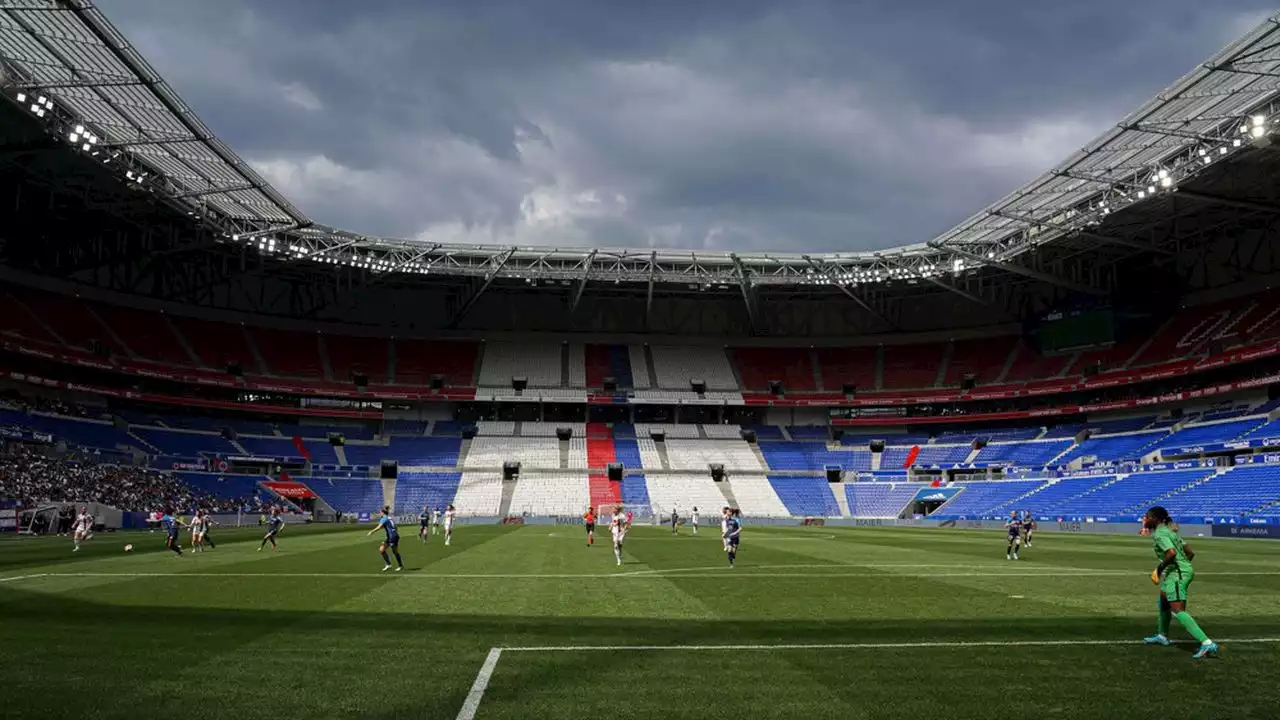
column 214, row 191
column 1026, row 272
column 861, row 303
column 1230, row 202
column 1101, row 237
column 582, row 282
column 500, row 261
column 962, row 293
column 648, row 298
column 748, row 295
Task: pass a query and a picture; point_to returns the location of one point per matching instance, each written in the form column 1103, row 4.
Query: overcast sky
column 799, row 125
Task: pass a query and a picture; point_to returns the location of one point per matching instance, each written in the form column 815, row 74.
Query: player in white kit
column 724, row 527
column 83, row 529
column 448, row 525
column 435, row 521
column 199, row 524
column 693, row 520
column 619, row 526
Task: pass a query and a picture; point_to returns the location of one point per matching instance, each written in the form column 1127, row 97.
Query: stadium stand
column 1029, row 365
column 563, row 494
column 912, row 366
column 537, row 362
column 288, row 353
column 635, row 492
column 147, row 335
column 351, row 495
column 683, row 493
column 805, row 496
column 418, row 360
column 986, row 499
column 792, row 366
column 676, row 365
column 479, row 493
column 880, row 499
column 855, row 366
column 217, row 344
column 813, row 456
column 351, row 355
column 699, row 454
column 604, row 361
column 415, row 491
column 983, row 359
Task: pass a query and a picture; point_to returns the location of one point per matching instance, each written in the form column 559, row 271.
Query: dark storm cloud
column 819, row 125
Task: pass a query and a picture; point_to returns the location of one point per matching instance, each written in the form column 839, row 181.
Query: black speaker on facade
column 979, row 443
column 717, row 472
column 563, row 434
column 360, row 379
column 877, row 446
column 835, row 474
column 519, row 383
column 337, row 439
column 235, row 369
column 510, row 470
column 658, row 436
column 699, row 386
column 610, row 384
column 849, row 389
column 468, row 433
column 749, row 436
column 390, row 470
column 968, row 382
column 615, row 472
column 437, row 382
column 775, row 387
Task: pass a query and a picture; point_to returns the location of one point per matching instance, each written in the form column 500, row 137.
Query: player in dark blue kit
column 733, row 533
column 424, row 524
column 172, row 526
column 392, row 540
column 1013, row 529
column 1028, row 525
column 274, row 523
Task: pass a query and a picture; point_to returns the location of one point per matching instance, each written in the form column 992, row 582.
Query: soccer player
column 424, row 524
column 206, row 538
column 724, row 527
column 435, row 522
column 172, row 525
column 448, row 526
column 198, row 525
column 675, row 521
column 1028, row 526
column 274, row 523
column 619, row 527
column 733, row 533
column 83, row 528
column 1013, row 529
column 1174, row 575
column 589, row 519
column 693, row 519
column 387, row 524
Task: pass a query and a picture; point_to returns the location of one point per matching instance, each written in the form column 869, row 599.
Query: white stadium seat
column 756, row 496
column 696, row 455
column 677, row 365
column 685, row 492
column 639, row 368
column 538, row 362
column 479, row 493
column 564, row 493
column 722, row 432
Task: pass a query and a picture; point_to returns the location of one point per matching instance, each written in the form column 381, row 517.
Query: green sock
column 1189, row 624
column 1162, row 624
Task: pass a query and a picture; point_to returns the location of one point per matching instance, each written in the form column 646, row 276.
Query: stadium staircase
column 326, row 367
column 1008, row 364
column 600, row 453
column 508, row 491
column 258, row 360
column 182, row 340
column 341, row 452
column 564, row 376
column 877, row 460
column 973, row 455
column 239, row 448
column 880, row 367
column 842, row 499
column 391, row 362
column 662, row 454
column 737, row 374
column 463, row 448
column 817, row 369
column 755, row 448
column 564, row 454
column 1055, row 458
column 388, row 489
column 649, row 368
column 948, row 351
column 143, row 443
column 729, row 498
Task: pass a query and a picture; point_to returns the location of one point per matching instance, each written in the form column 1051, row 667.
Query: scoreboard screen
column 1063, row 331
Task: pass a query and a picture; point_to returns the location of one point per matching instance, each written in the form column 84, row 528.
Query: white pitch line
column 865, row 646
column 22, row 577
column 721, row 574
column 472, row 703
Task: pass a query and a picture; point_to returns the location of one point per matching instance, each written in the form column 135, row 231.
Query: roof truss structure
column 66, row 53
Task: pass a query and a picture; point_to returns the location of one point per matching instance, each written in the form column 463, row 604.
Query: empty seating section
column 1129, row 495
column 808, row 432
column 351, row 355
column 350, row 496
column 755, row 496
column 792, row 366
column 85, row 433
column 880, row 499
column 1030, row 365
column 911, row 366
column 986, row 499
column 1266, row 430
column 687, row 432
column 604, row 361
column 496, row 428
column 649, row 456
column 1056, row 493
column 217, row 344
column 147, row 334
column 804, row 496
column 957, row 436
column 683, row 493
column 1106, row 448
column 479, row 493
column 812, row 456
column 404, row 427
column 1239, row 491
column 407, row 452
column 1025, row 454
column 698, row 454
column 895, row 457
column 538, row 362
column 766, row 432
column 288, row 353
column 1112, row 357
column 415, row 491
column 70, row 318
column 983, row 359
column 677, row 365
column 418, row 360
column 626, row 452
column 548, row 429
column 492, row 452
column 855, row 366
column 185, row 444
column 550, row 494
column 224, row 487
column 321, row 452
column 1189, row 329
column 635, row 492
column 722, row 432
column 1120, row 425
column 15, row 320
column 1259, row 322
column 1202, row 433
column 640, row 378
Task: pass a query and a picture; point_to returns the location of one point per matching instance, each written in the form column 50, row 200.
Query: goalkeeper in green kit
column 1174, row 575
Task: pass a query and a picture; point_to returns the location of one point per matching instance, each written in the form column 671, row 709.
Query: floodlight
column 22, row 97
column 1142, row 194
column 40, row 112
column 79, row 129
column 93, row 139
column 85, row 147
column 1258, row 120
column 1166, row 182
column 1258, row 131
column 1151, row 189
column 1236, row 142
column 41, row 100
column 73, row 137
column 1222, row 151
column 1163, row 174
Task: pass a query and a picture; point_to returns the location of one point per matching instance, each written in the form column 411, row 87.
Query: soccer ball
column 128, row 548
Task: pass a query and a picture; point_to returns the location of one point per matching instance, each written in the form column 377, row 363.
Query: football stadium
column 257, row 466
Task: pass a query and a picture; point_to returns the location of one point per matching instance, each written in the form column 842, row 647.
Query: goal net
column 43, row 519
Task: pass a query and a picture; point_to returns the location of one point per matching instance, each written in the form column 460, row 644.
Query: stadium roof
column 63, row 58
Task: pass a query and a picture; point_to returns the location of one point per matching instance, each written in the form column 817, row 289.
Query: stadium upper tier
column 194, row 350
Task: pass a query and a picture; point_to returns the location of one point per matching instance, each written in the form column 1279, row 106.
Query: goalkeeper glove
column 1155, row 576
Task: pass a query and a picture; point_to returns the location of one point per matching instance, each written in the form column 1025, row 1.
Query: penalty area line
column 472, row 703
column 943, row 644
column 22, row 577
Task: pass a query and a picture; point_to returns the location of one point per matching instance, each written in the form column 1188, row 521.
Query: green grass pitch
column 820, row 623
